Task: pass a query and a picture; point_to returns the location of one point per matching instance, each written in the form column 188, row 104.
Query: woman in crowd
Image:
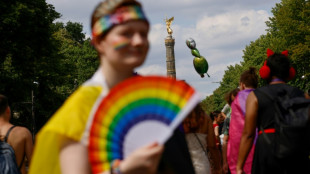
column 247, row 83
column 197, row 137
column 229, row 97
column 218, row 118
column 61, row 145
column 201, row 142
column 260, row 113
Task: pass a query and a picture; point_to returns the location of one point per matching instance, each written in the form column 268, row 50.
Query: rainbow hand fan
column 137, row 112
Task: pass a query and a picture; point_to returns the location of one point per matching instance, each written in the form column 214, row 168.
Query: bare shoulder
column 21, row 132
column 251, row 106
column 252, row 97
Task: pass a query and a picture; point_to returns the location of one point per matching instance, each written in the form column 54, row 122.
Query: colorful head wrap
column 121, row 15
column 265, row 71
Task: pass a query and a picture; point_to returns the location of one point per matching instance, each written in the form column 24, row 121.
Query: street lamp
column 32, row 111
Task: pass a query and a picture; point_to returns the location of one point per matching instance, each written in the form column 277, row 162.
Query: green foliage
column 75, row 30
column 26, row 51
column 288, row 29
column 291, row 23
column 41, row 62
column 87, row 62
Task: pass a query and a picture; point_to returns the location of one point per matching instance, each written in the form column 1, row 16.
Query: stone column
column 170, row 61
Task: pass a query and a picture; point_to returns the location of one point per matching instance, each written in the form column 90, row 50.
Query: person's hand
column 225, row 167
column 239, row 171
column 143, row 161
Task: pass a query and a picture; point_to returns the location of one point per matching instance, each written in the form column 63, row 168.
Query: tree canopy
column 41, row 61
column 288, row 29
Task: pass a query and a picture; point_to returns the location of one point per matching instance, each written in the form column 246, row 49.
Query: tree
column 289, row 29
column 291, row 24
column 28, row 53
column 76, row 31
column 42, row 62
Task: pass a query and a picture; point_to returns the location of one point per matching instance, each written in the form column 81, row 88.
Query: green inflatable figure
column 200, row 63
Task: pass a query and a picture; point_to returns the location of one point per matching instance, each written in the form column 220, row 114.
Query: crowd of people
column 227, row 141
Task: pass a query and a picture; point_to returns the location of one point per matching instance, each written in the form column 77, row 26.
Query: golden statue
column 168, row 23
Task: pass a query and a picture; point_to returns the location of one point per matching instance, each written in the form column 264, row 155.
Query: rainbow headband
column 121, row 15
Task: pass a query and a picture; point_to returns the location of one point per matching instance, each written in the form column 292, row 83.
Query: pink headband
column 121, row 15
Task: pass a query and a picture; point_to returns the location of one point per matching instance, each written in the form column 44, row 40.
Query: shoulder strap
column 8, row 133
column 6, row 139
column 204, row 150
column 21, row 164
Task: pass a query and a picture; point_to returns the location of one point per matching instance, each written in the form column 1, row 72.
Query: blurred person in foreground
column 120, row 36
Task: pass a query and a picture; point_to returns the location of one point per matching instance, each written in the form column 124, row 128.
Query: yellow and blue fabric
column 71, row 121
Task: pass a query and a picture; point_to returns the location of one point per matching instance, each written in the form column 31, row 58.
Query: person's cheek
column 120, row 43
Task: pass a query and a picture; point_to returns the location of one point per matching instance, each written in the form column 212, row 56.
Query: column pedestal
column 170, row 61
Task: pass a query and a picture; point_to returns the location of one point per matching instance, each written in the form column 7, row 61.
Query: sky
column 221, row 29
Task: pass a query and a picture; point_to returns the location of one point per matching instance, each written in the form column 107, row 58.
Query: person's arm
column 210, row 133
column 248, row 133
column 213, row 151
column 74, row 159
column 28, row 145
column 224, row 145
column 226, row 109
column 224, row 153
column 217, row 135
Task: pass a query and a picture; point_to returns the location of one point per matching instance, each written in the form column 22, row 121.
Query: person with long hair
column 196, row 129
column 200, row 137
column 247, row 83
column 260, row 113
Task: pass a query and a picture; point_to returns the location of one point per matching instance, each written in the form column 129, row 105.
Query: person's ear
column 8, row 111
column 242, row 86
column 98, row 44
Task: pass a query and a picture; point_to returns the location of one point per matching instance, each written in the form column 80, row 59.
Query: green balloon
column 195, row 52
column 201, row 65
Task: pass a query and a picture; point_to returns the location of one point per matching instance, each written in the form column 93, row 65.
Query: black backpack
column 8, row 163
column 292, row 124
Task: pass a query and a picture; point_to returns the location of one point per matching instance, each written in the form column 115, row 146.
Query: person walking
column 217, row 121
column 247, row 83
column 197, row 129
column 261, row 113
column 229, row 97
column 19, row 138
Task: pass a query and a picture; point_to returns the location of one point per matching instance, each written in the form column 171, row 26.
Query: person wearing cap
column 120, row 36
